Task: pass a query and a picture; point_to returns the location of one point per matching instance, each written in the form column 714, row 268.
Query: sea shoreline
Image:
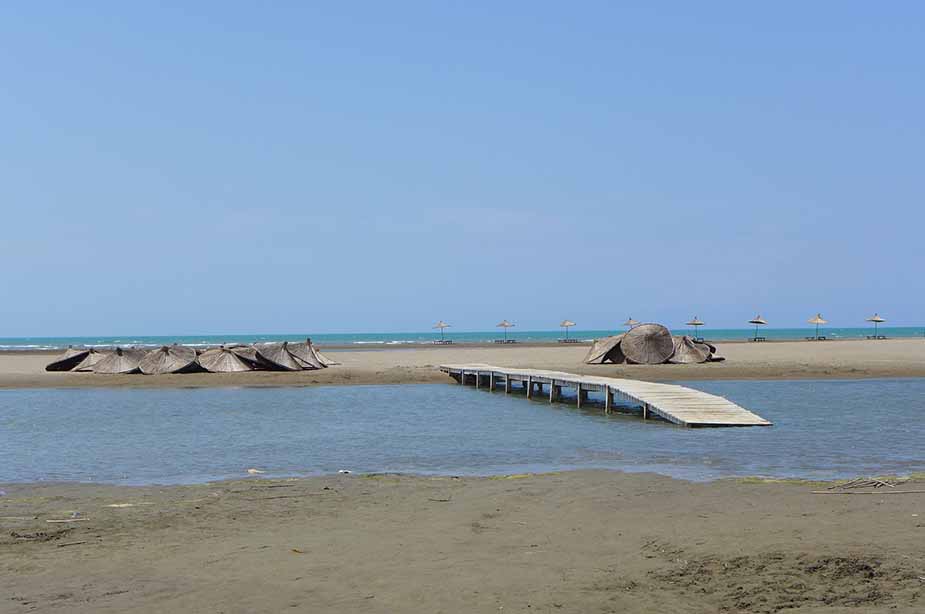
column 847, row 359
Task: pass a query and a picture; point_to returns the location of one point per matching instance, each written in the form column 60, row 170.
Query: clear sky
column 239, row 167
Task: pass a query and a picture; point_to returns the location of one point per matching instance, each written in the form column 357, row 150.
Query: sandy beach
column 771, row 360
column 580, row 542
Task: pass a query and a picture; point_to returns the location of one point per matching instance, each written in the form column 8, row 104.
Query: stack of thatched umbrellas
column 650, row 344
column 283, row 356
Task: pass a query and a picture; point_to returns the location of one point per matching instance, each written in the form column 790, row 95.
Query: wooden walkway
column 677, row 404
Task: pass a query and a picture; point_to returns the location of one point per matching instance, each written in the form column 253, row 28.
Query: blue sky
column 221, row 167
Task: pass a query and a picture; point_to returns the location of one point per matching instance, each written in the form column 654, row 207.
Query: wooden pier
column 677, row 404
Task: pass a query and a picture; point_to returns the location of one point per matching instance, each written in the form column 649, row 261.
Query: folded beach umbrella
column 631, row 322
column 757, row 321
column 605, row 350
column 119, row 361
column 324, row 359
column 818, row 321
column 566, row 324
column 71, row 358
column 169, row 359
column 877, row 320
column 277, row 356
column 225, row 360
column 305, row 355
column 91, row 359
column 696, row 323
column 441, row 325
column 647, row 344
column 505, row 325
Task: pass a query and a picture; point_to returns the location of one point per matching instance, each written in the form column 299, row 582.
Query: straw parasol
column 687, row 352
column 695, row 322
column 818, row 321
column 169, row 359
column 647, row 344
column 276, row 356
column 119, row 361
column 631, row 322
column 71, row 358
column 305, row 355
column 441, row 325
column 505, row 325
column 877, row 320
column 758, row 321
column 605, row 350
column 566, row 324
column 224, row 360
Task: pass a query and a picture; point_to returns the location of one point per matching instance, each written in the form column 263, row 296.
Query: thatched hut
column 71, row 358
column 277, row 357
column 647, row 344
column 606, row 350
column 169, row 359
column 225, row 360
column 306, row 355
column 119, row 361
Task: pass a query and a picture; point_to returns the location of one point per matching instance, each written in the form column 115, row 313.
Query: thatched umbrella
column 605, row 350
column 169, row 359
column 566, row 324
column 630, row 322
column 877, row 320
column 328, row 362
column 71, row 358
column 687, row 352
column 277, row 356
column 120, row 361
column 757, row 321
column 647, row 344
column 696, row 323
column 91, row 359
column 306, row 355
column 441, row 325
column 225, row 360
column 505, row 325
column 818, row 321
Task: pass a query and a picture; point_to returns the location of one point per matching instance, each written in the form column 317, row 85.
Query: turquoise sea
column 376, row 339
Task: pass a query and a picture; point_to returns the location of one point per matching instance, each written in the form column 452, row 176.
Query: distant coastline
column 372, row 340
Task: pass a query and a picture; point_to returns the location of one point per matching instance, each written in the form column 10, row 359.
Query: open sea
column 822, row 429
column 397, row 339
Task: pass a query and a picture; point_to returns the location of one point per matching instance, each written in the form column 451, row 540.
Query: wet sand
column 770, row 360
column 590, row 541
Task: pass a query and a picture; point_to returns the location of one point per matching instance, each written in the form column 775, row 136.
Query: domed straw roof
column 278, row 356
column 687, row 352
column 757, row 320
column 441, row 325
column 224, row 360
column 304, row 353
column 566, row 323
column 601, row 349
column 631, row 322
column 169, row 359
column 71, row 358
column 647, row 344
column 503, row 324
column 119, row 361
column 876, row 318
column 695, row 322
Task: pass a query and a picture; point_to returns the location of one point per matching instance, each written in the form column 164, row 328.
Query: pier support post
column 608, row 399
column 529, row 387
column 478, row 377
column 580, row 394
column 507, row 384
column 645, row 411
column 491, row 381
column 552, row 391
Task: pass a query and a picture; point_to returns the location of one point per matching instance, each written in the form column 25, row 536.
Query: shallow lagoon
column 823, row 429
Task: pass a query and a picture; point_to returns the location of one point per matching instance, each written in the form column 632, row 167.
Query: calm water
column 822, row 429
column 374, row 339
